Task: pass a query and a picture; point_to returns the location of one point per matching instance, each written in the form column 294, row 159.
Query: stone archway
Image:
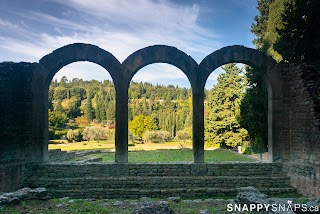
column 196, row 74
column 272, row 76
column 177, row 58
column 50, row 65
column 293, row 115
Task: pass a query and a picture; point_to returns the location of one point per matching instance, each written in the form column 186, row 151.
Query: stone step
column 132, row 180
column 55, row 170
column 160, row 193
column 160, row 182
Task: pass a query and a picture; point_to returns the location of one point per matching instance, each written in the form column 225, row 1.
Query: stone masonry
column 135, row 180
column 293, row 107
column 301, row 132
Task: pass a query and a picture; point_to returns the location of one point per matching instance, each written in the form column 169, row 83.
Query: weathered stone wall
column 294, row 127
column 301, row 131
column 134, row 180
column 56, row 155
column 65, row 170
column 16, row 144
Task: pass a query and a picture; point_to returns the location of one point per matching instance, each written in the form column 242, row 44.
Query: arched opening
column 272, row 78
column 81, row 110
column 50, row 65
column 160, row 115
column 236, row 114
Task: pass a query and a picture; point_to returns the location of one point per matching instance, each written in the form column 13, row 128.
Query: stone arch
column 159, row 54
column 272, row 76
column 76, row 52
column 50, row 65
column 179, row 59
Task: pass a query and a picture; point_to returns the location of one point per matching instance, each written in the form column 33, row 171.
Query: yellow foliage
column 82, row 121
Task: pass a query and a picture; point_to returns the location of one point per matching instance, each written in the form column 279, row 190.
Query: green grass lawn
column 176, row 155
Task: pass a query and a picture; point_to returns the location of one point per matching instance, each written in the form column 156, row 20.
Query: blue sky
column 32, row 29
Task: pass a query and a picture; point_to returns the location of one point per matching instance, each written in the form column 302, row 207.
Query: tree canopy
column 224, row 100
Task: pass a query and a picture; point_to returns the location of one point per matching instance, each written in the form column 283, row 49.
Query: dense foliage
column 288, row 31
column 224, row 100
column 299, row 38
column 151, row 107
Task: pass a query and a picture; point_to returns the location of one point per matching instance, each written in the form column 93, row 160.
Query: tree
column 63, row 81
column 299, row 38
column 74, row 109
column 88, row 109
column 82, row 121
column 224, row 108
column 57, row 119
column 140, row 124
column 254, row 108
column 259, row 28
column 266, row 26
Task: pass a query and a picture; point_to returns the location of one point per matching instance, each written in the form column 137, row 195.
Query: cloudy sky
column 31, row 29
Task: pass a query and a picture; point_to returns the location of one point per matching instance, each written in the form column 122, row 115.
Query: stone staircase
column 135, row 180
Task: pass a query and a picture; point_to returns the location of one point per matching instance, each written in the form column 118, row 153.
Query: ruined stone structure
column 293, row 107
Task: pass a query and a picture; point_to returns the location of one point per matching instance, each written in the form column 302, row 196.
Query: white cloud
column 118, row 26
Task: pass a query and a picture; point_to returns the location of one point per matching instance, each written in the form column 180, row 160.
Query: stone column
column 198, row 126
column 121, row 135
column 275, row 114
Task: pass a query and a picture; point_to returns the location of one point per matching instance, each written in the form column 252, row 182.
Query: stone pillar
column 198, row 126
column 40, row 112
column 121, row 135
column 275, row 115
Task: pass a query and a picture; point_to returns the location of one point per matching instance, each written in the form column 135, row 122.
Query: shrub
column 156, row 136
column 60, row 134
column 182, row 136
column 98, row 133
column 74, row 135
column 82, row 121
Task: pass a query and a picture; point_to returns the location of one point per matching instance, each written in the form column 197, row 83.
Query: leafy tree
column 78, row 91
column 63, row 81
column 299, row 38
column 82, row 121
column 259, row 28
column 57, row 119
column 74, row 109
column 224, row 108
column 60, row 93
column 88, row 109
column 254, row 108
column 140, row 124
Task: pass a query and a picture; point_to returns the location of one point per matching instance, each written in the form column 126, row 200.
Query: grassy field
column 85, row 145
column 175, row 155
column 109, row 145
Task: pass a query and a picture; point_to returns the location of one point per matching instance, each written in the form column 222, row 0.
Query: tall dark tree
column 88, row 109
column 254, row 108
column 299, row 39
column 222, row 126
column 259, row 28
